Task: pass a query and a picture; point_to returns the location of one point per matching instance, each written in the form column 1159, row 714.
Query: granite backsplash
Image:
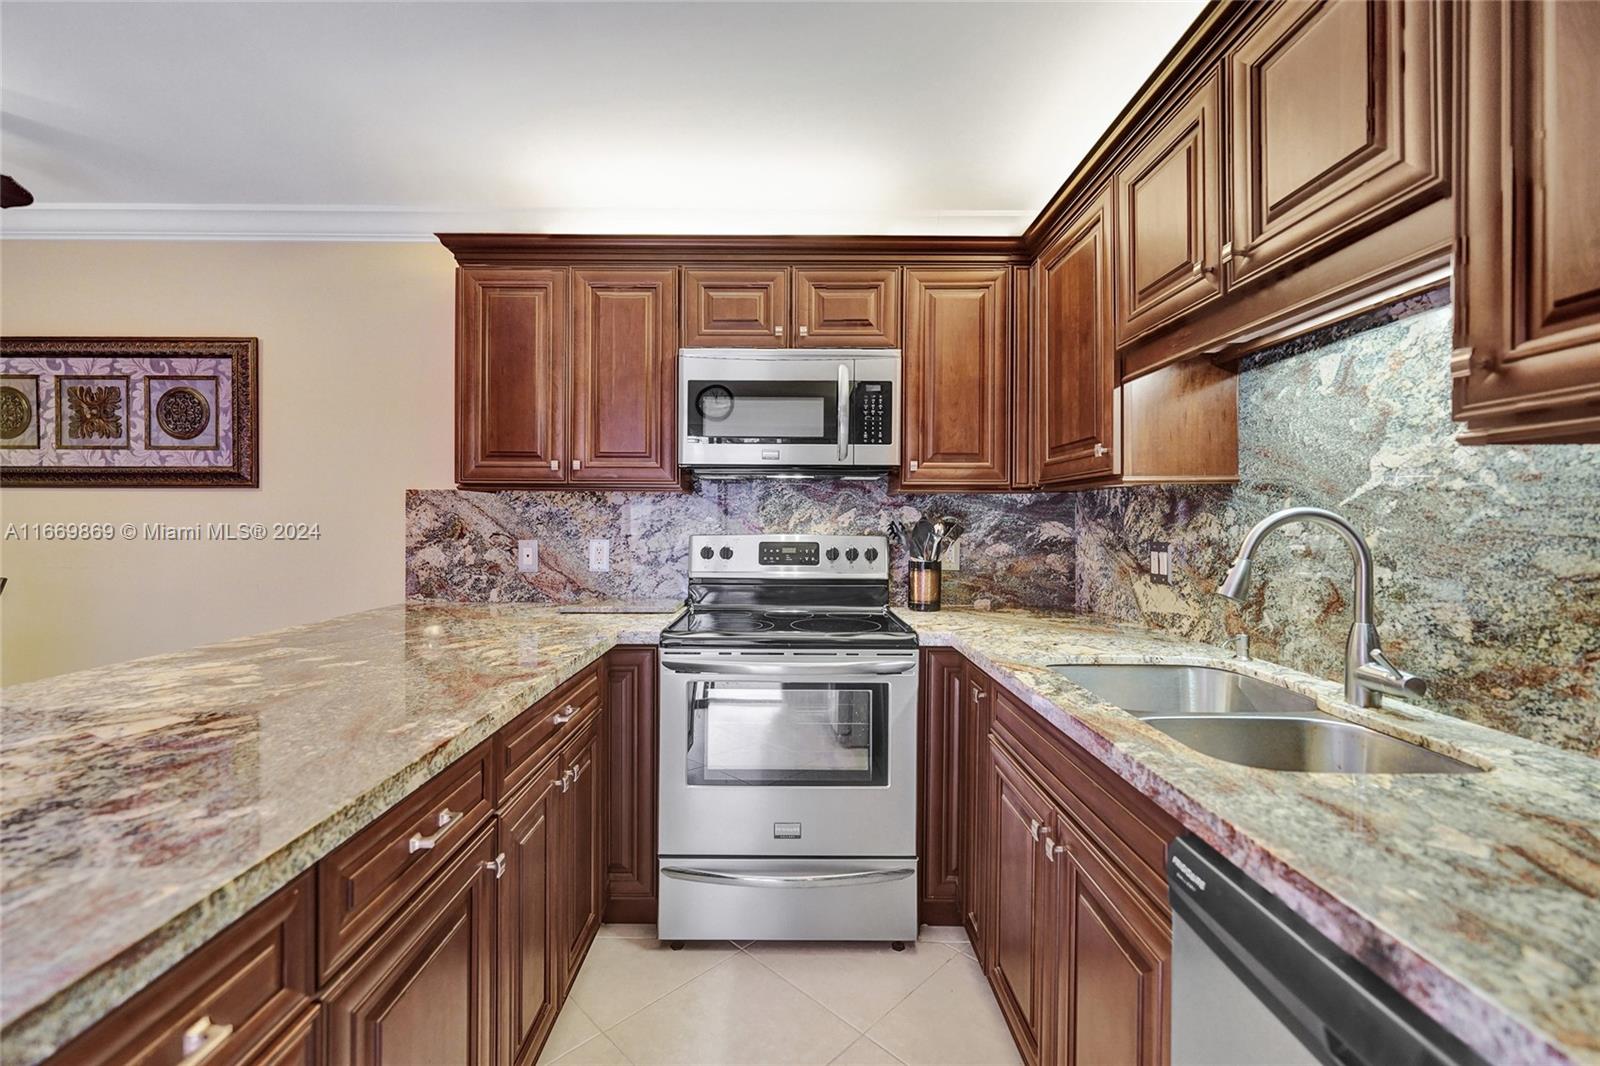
column 1488, row 558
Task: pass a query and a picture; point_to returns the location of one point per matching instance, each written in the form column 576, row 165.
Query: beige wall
column 356, row 350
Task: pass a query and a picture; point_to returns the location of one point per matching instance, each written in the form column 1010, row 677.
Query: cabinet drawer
column 300, row 1044
column 370, row 876
column 522, row 745
column 234, row 996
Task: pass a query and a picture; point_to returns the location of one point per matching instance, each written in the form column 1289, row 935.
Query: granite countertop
column 148, row 805
column 1477, row 896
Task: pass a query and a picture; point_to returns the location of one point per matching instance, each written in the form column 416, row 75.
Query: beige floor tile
column 858, row 982
column 943, row 934
column 952, row 1018
column 596, row 1051
column 965, row 947
column 572, row 1028
column 739, row 1012
column 626, row 932
column 865, row 1053
column 621, row 976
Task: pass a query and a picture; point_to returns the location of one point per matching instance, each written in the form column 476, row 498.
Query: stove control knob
column 726, row 552
column 832, row 554
column 706, row 552
column 871, row 554
column 850, row 554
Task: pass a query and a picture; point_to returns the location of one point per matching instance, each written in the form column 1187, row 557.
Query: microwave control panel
column 870, row 409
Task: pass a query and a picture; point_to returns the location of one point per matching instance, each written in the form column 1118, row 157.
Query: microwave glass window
column 777, row 733
column 775, row 412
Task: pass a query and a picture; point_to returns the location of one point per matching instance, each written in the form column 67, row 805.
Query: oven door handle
column 831, row 880
column 844, row 669
column 844, row 411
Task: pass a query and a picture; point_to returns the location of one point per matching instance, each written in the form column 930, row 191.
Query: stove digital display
column 787, row 553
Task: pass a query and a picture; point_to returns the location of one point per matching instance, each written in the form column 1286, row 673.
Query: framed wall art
column 129, row 412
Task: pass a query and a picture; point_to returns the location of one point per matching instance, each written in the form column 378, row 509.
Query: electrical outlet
column 1160, row 563
column 951, row 560
column 527, row 557
column 599, row 555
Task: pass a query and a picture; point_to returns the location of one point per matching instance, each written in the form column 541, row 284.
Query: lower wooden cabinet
column 422, row 991
column 1024, row 936
column 941, row 713
column 631, row 785
column 580, row 826
column 529, row 989
column 300, row 1044
column 973, row 842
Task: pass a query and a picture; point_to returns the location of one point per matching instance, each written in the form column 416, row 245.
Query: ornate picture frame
column 129, row 412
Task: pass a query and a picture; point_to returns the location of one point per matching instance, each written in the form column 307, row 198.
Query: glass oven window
column 788, row 733
column 764, row 412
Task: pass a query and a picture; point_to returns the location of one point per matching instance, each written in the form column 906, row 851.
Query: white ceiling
column 393, row 120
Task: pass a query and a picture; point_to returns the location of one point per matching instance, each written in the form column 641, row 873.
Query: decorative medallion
column 94, row 411
column 16, row 413
column 183, row 413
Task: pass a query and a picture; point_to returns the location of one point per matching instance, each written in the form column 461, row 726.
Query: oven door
column 788, row 754
column 764, row 408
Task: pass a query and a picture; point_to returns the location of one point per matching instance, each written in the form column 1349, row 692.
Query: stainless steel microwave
column 796, row 411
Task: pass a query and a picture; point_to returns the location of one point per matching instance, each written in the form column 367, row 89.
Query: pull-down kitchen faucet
column 1367, row 671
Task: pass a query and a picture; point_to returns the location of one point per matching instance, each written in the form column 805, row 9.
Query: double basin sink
column 1251, row 722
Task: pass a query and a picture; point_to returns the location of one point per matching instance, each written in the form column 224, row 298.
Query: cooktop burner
column 727, row 622
column 840, row 623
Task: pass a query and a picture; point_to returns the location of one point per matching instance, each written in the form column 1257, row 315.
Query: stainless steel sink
column 1243, row 720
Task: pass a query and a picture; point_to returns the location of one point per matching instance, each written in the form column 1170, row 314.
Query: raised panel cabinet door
column 511, row 376
column 746, row 308
column 846, row 307
column 630, row 717
column 1527, row 265
column 957, row 378
column 1112, row 985
column 939, row 787
column 1020, row 964
column 974, row 865
column 1077, row 373
column 1338, row 111
column 421, row 993
column 582, row 847
column 528, row 982
column 1169, row 206
column 624, row 377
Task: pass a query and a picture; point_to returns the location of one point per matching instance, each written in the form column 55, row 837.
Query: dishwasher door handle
column 820, row 880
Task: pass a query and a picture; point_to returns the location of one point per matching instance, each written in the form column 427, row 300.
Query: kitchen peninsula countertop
column 150, row 804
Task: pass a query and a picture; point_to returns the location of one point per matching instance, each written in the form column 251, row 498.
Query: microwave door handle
column 844, row 411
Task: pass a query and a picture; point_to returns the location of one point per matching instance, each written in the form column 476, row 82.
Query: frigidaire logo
column 1195, row 881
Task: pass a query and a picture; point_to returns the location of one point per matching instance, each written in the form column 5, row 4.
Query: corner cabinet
column 958, row 380
column 1526, row 367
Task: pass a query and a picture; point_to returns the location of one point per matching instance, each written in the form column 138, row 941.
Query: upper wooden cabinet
column 1335, row 126
column 736, row 308
column 1075, row 381
column 1527, row 267
column 846, row 307
column 1169, row 209
column 511, row 386
column 957, row 422
column 624, row 377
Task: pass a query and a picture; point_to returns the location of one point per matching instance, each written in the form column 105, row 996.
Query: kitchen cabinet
column 1333, row 127
column 736, row 308
column 939, row 825
column 511, row 376
column 847, row 307
column 580, row 836
column 1526, row 367
column 624, row 375
column 958, row 387
column 1169, row 213
column 976, row 884
column 422, row 990
column 631, row 740
column 529, row 989
column 1023, row 932
column 300, row 1044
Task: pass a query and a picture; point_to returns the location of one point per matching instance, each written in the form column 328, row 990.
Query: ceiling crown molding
column 272, row 222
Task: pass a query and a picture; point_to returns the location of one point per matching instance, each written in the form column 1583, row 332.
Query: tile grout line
column 607, row 1029
column 848, row 1024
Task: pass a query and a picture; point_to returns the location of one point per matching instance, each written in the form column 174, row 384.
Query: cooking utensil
column 952, row 531
column 921, row 538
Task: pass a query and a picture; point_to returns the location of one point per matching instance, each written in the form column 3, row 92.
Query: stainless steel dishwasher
column 1254, row 985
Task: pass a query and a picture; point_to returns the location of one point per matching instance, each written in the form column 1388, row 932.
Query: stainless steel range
column 788, row 746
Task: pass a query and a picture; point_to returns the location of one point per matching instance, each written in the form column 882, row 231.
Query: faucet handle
column 1241, row 645
column 1382, row 674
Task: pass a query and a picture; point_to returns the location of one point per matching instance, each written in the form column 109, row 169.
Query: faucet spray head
column 1237, row 582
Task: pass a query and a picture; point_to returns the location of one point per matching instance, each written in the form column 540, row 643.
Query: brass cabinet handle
column 202, row 1039
column 418, row 842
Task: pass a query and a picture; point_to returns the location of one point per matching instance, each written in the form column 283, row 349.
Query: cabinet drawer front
column 235, row 995
column 735, row 308
column 521, row 746
column 370, row 876
column 854, row 307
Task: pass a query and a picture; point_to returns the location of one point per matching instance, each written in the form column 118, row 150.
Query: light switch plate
column 599, row 555
column 527, row 557
column 1160, row 563
column 952, row 557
